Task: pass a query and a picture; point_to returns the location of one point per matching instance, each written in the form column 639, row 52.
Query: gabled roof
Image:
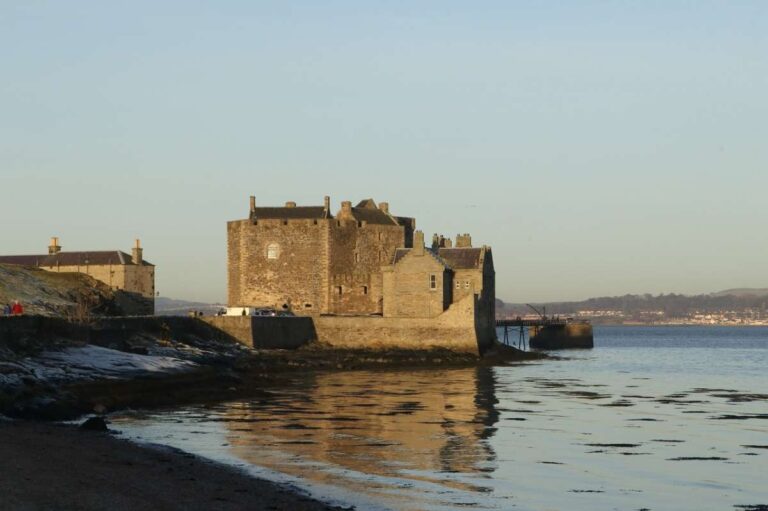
column 453, row 258
column 461, row 258
column 373, row 216
column 298, row 212
column 400, row 253
column 23, row 260
column 367, row 211
column 104, row 257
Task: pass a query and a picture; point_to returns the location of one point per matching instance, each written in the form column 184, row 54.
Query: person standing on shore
column 7, row 309
column 17, row 309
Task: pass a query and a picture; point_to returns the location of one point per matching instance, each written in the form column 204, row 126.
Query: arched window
column 273, row 251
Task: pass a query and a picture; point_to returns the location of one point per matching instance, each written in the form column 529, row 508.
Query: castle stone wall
column 278, row 263
column 265, row 332
column 453, row 330
column 357, row 253
column 408, row 291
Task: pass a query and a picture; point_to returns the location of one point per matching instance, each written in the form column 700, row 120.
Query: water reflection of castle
column 371, row 422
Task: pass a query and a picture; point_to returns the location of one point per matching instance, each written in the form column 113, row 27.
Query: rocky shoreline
column 61, row 379
column 50, row 466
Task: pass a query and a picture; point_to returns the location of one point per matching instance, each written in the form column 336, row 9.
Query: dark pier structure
column 547, row 333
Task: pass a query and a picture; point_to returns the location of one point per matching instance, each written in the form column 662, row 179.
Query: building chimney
column 327, row 204
column 290, row 204
column 418, row 243
column 253, row 205
column 346, row 211
column 463, row 241
column 54, row 247
column 137, row 254
column 447, row 243
column 384, row 206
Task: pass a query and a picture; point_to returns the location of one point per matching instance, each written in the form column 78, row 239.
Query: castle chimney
column 327, row 204
column 290, row 204
column 463, row 241
column 137, row 254
column 346, row 211
column 253, row 205
column 418, row 243
column 447, row 243
column 54, row 247
column 384, row 206
column 435, row 241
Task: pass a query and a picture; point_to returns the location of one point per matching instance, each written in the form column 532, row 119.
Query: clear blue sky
column 600, row 147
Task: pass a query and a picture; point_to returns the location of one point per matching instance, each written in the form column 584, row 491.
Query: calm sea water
column 653, row 418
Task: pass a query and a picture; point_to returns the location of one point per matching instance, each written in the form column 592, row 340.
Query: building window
column 466, row 284
column 458, row 284
column 365, row 290
column 433, row 282
column 273, row 251
column 357, row 257
column 307, row 305
column 339, row 290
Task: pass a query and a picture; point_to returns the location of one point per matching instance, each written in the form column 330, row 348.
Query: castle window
column 433, row 282
column 458, row 285
column 307, row 305
column 365, row 290
column 339, row 290
column 357, row 257
column 273, row 251
column 466, row 284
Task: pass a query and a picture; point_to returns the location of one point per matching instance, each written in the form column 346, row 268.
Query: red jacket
column 17, row 309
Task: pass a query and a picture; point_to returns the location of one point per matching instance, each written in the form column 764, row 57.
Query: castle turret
column 54, row 247
column 137, row 254
column 253, row 206
column 327, row 205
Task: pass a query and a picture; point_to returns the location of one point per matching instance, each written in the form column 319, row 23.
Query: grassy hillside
column 57, row 294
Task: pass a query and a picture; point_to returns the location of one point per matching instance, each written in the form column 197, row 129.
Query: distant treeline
column 670, row 304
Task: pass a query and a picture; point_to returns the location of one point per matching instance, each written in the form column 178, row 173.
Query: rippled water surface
column 652, row 418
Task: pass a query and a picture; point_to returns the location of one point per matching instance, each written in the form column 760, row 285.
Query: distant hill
column 172, row 307
column 744, row 291
column 745, row 303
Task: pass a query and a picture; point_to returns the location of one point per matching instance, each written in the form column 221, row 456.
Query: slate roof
column 373, row 216
column 299, row 212
column 104, row 257
column 453, row 258
column 461, row 258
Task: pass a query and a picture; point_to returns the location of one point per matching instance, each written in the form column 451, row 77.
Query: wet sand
column 45, row 467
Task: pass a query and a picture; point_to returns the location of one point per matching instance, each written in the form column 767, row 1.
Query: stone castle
column 120, row 271
column 363, row 273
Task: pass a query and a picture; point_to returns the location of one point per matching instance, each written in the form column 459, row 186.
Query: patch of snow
column 90, row 363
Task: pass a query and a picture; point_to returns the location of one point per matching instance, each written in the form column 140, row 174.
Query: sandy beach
column 47, row 467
